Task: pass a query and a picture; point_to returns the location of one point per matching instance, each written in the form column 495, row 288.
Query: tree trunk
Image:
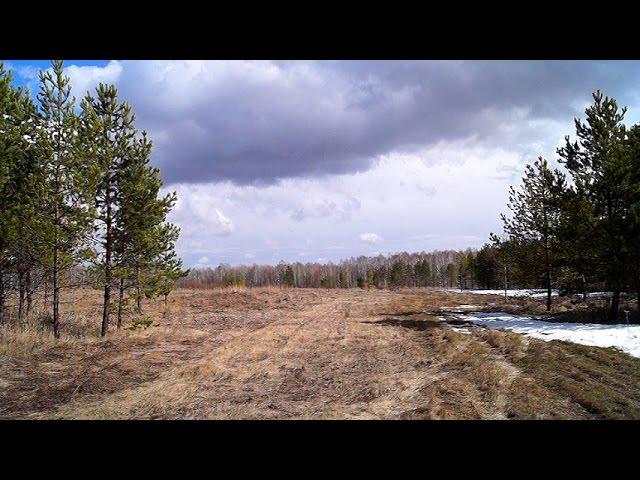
column 138, row 292
column 106, row 301
column 56, row 295
column 505, row 284
column 615, row 303
column 21, row 297
column 56, row 251
column 584, row 288
column 29, row 292
column 548, row 289
column 138, row 300
column 1, row 293
column 107, row 295
column 107, row 267
column 548, row 266
column 120, row 298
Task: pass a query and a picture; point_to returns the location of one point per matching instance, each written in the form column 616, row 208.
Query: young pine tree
column 144, row 245
column 288, row 279
column 68, row 178
column 21, row 188
column 166, row 267
column 535, row 222
column 108, row 131
column 397, row 274
column 29, row 247
column 422, row 273
column 11, row 146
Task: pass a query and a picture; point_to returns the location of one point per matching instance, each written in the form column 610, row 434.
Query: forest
column 77, row 193
column 575, row 227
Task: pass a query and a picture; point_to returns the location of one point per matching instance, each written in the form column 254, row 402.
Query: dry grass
column 304, row 353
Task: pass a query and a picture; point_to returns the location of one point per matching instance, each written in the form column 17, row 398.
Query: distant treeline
column 447, row 268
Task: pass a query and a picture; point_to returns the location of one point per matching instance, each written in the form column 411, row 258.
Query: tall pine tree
column 10, row 148
column 108, row 133
column 68, row 177
column 600, row 165
column 535, row 222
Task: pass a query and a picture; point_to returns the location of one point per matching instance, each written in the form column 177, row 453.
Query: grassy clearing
column 293, row 353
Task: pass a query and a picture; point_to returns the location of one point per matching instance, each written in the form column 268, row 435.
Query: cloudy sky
column 318, row 161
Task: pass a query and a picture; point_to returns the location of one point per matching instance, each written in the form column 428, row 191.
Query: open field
column 307, row 353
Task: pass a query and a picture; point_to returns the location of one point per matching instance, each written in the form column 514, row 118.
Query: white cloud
column 86, row 78
column 223, row 225
column 370, row 237
column 341, row 206
column 392, row 204
column 194, row 209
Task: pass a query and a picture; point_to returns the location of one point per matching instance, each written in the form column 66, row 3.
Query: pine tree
column 289, row 280
column 486, row 267
column 343, row 279
column 633, row 195
column 397, row 274
column 21, row 185
column 10, row 148
column 467, row 269
column 536, row 214
column 108, row 131
column 370, row 279
column 166, row 267
column 68, row 177
column 141, row 237
column 422, row 273
column 600, row 165
column 507, row 251
column 29, row 248
column 451, row 274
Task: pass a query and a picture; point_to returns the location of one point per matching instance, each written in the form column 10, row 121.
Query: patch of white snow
column 623, row 337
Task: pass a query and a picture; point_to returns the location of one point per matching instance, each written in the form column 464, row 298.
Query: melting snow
column 624, row 337
column 535, row 293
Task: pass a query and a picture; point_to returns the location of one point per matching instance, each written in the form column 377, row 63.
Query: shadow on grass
column 418, row 324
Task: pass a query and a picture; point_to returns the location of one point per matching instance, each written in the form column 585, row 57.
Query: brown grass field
column 305, row 354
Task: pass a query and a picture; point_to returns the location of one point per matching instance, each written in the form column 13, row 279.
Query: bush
column 142, row 323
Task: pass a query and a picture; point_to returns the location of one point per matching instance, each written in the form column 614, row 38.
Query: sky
column 323, row 160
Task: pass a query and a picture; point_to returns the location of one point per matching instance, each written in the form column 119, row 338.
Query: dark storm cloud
column 258, row 122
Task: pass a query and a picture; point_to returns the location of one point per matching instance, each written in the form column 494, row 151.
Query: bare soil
column 305, row 353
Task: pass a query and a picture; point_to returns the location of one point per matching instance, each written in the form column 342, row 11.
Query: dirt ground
column 305, row 354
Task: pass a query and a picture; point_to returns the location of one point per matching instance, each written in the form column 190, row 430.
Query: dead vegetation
column 305, row 353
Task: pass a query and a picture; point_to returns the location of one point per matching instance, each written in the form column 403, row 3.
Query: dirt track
column 314, row 354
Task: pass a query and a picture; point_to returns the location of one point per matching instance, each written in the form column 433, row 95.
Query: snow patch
column 533, row 293
column 623, row 337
